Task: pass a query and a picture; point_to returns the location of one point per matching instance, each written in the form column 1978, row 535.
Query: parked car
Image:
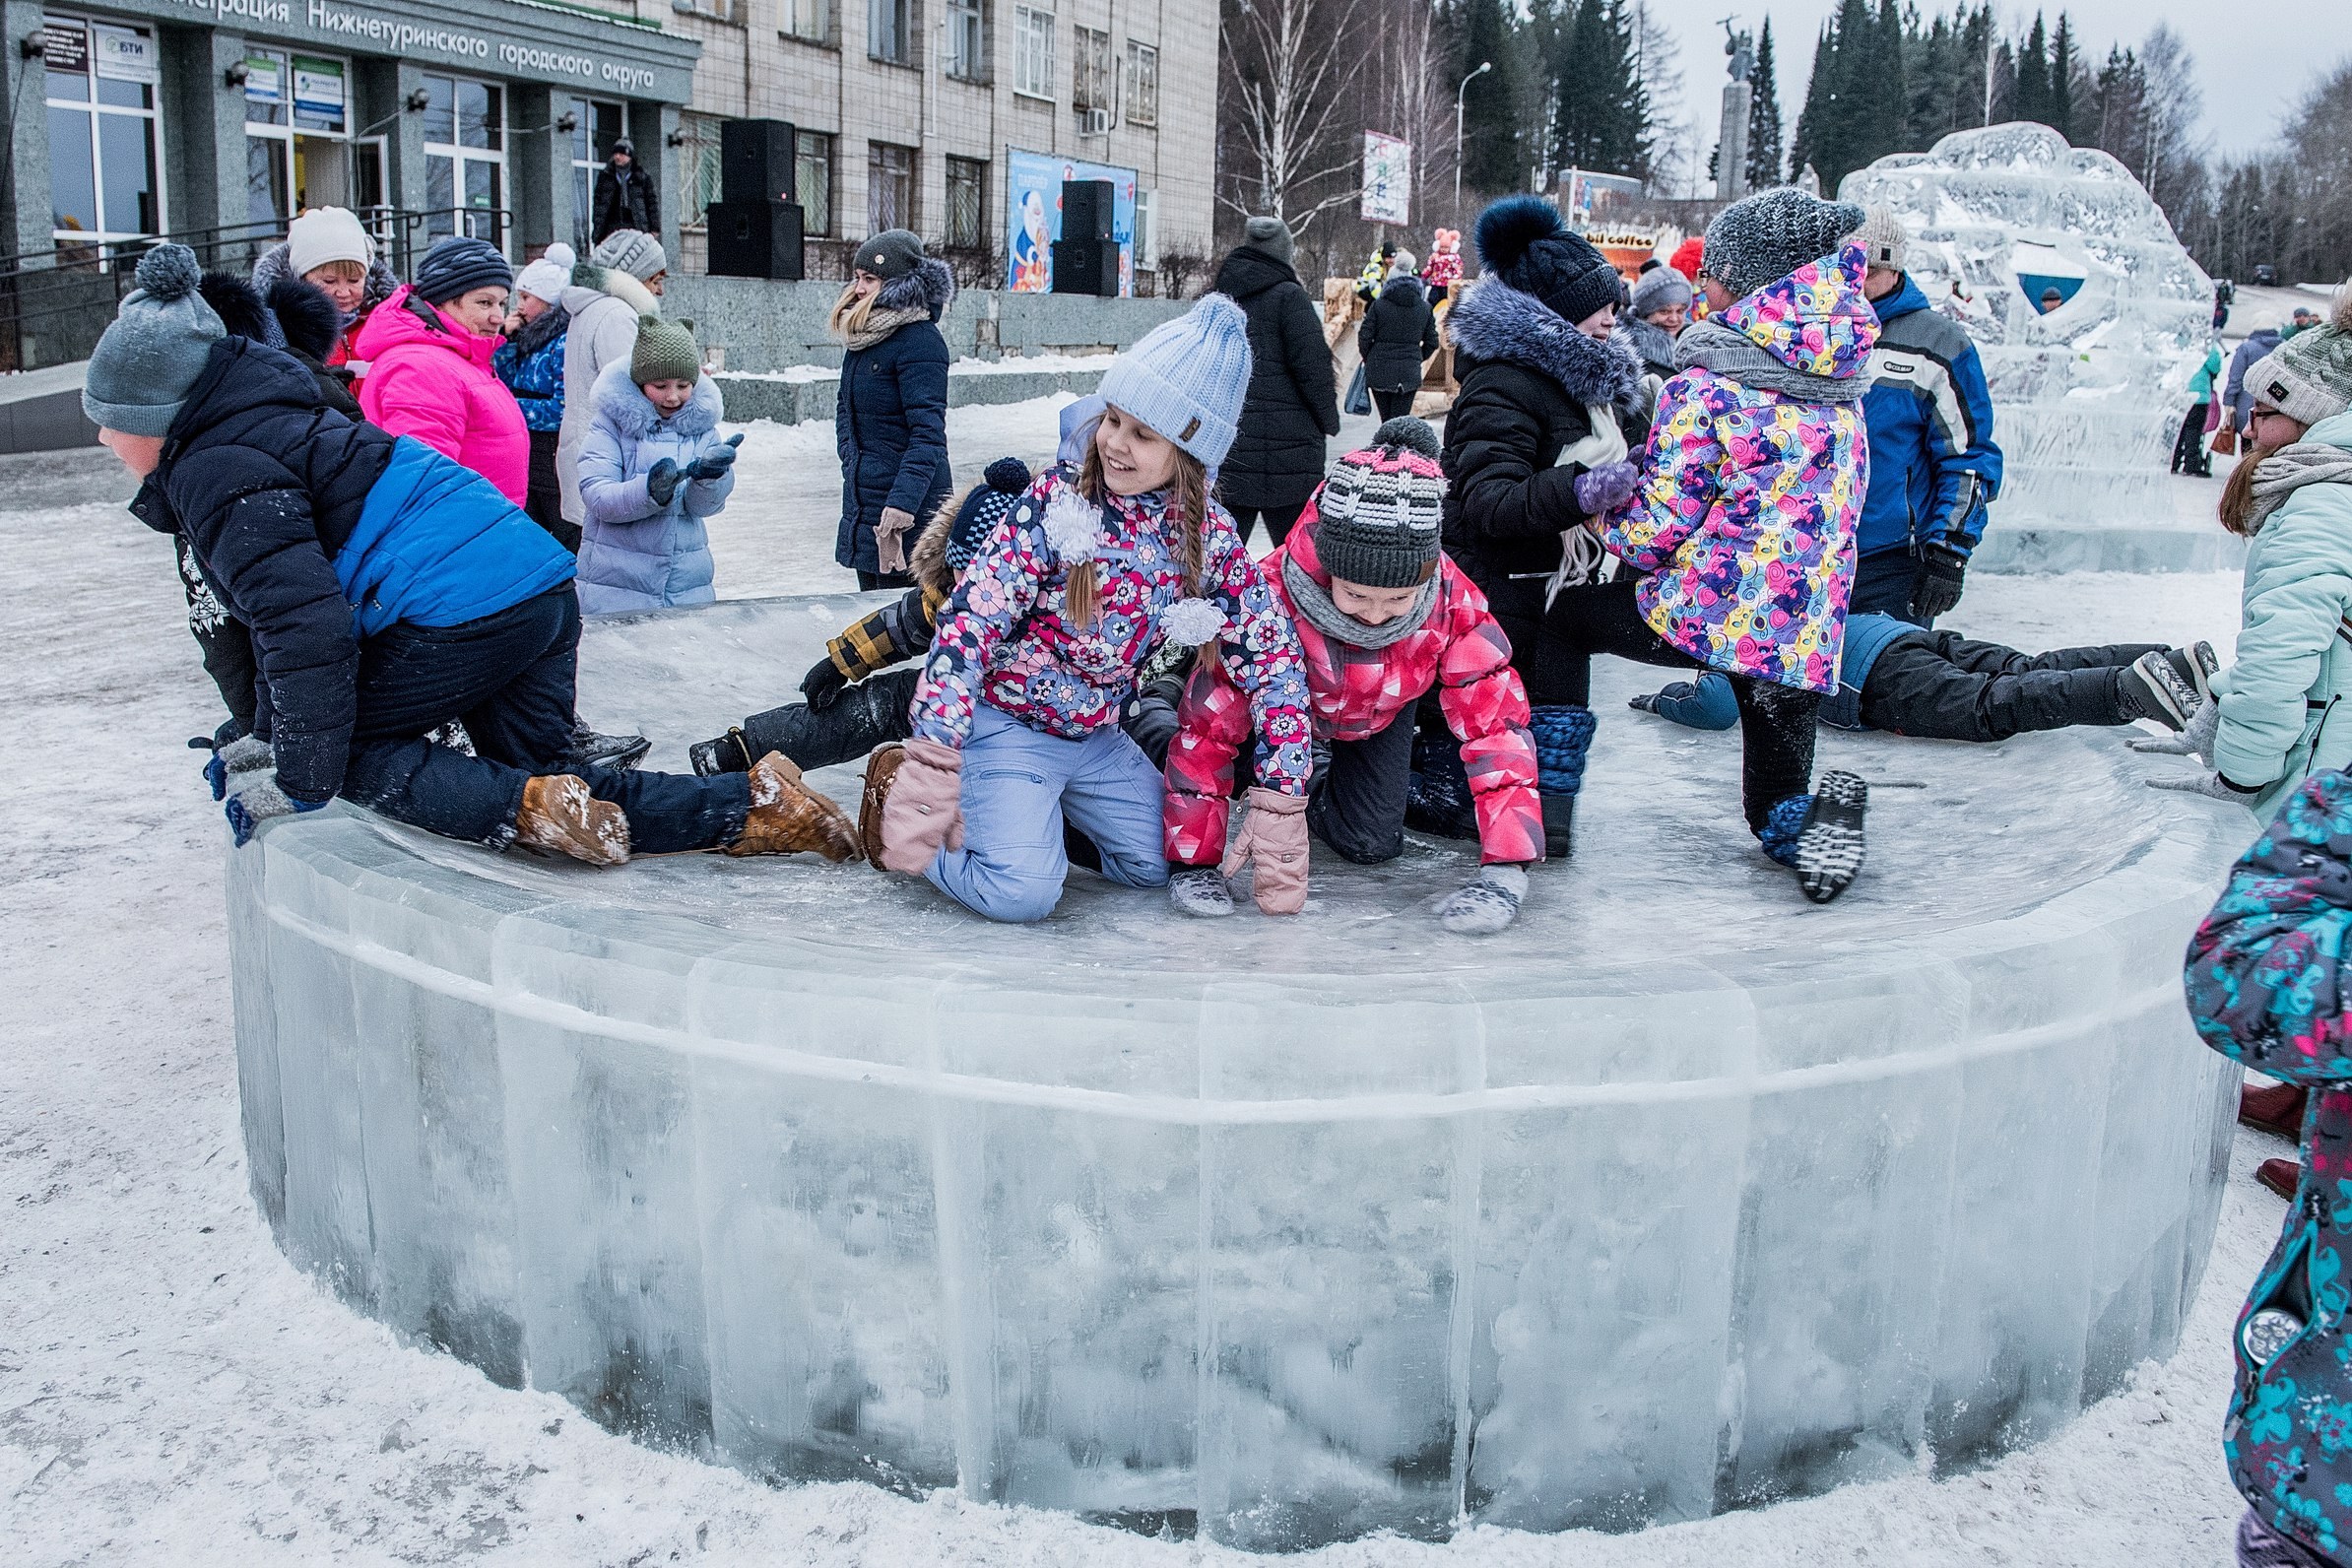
column 2265, row 276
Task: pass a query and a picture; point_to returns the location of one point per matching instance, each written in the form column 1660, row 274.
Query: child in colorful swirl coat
column 1016, row 719
column 1383, row 616
column 1743, row 524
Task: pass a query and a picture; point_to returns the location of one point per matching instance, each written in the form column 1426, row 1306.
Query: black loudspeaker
column 1086, row 267
column 755, row 239
column 1087, row 209
column 755, row 161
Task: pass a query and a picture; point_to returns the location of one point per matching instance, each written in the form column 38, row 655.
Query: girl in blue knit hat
column 1045, row 636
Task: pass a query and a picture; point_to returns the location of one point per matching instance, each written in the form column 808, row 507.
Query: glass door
column 465, row 158
column 105, row 169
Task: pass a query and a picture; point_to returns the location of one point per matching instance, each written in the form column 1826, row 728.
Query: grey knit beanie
column 1271, row 235
column 1660, row 288
column 1771, row 234
column 665, row 352
column 1882, row 237
column 632, row 251
column 890, row 256
column 1381, row 514
column 155, row 348
column 2309, row 376
column 459, row 264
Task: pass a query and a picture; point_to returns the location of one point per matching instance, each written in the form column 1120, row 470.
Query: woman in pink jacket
column 428, row 351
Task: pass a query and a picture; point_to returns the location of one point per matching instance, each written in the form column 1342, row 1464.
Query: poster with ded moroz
column 1033, row 217
column 1388, row 180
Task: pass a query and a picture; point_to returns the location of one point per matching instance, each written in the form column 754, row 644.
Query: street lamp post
column 1484, row 66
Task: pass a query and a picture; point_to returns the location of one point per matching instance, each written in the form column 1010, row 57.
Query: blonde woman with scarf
column 891, row 422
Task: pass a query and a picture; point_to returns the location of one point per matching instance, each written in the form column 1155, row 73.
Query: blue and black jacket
column 1933, row 465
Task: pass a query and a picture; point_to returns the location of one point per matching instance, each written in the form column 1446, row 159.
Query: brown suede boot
column 881, row 769
column 559, row 815
column 2274, row 1108
column 787, row 816
column 2281, row 1176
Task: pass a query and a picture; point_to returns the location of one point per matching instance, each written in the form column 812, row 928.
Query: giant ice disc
column 1681, row 1196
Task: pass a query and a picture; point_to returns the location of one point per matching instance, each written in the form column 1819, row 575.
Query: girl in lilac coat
column 652, row 467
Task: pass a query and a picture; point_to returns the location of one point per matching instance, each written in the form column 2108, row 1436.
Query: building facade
column 220, row 119
column 958, row 118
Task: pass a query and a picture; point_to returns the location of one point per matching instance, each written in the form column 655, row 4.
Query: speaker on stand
column 754, row 229
column 1086, row 257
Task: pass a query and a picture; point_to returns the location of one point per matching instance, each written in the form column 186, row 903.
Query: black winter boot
column 860, row 718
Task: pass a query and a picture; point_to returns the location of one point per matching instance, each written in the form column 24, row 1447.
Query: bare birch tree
column 1287, row 70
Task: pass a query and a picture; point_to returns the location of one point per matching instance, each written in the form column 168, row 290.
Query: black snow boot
column 863, row 717
column 1819, row 837
column 591, row 749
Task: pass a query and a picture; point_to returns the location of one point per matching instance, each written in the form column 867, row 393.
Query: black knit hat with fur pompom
column 1523, row 241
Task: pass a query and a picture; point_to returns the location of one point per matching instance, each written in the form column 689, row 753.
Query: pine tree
column 1882, row 94
column 1764, row 118
column 2033, row 77
column 1849, row 104
column 2062, row 69
column 1601, row 121
column 1812, row 119
column 1491, row 160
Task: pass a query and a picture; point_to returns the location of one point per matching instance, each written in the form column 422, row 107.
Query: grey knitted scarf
column 881, row 324
column 2288, row 470
column 1712, row 345
column 1314, row 602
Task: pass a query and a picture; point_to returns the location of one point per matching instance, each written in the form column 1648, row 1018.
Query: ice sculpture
column 2088, row 397
column 1681, row 1195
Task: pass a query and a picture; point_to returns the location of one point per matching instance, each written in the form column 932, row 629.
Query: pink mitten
column 1273, row 835
column 924, row 812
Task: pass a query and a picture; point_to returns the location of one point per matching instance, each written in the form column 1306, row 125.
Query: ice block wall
column 1681, row 1196
column 2088, row 398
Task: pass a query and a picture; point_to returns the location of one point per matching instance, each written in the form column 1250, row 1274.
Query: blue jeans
column 509, row 677
column 1017, row 787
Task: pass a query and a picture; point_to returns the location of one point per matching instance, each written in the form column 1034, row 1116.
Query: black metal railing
column 54, row 303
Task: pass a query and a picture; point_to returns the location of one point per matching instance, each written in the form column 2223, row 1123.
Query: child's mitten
column 662, row 482
column 1273, row 836
column 255, row 803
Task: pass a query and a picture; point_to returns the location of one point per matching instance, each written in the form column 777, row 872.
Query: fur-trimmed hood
column 1491, row 321
column 929, row 287
column 591, row 282
column 618, row 399
column 276, row 264
column 296, row 315
column 928, row 560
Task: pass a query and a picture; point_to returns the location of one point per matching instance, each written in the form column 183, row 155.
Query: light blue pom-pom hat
column 1186, row 378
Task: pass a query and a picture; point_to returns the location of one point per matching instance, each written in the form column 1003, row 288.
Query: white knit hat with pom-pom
column 549, row 275
column 155, row 348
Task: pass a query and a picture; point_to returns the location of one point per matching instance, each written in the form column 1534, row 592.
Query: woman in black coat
column 1538, row 444
column 1293, row 402
column 890, row 423
column 1397, row 339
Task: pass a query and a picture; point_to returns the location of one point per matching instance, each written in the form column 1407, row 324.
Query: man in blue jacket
column 388, row 591
column 1933, row 466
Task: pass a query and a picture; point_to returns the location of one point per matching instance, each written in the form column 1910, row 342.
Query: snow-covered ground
column 173, row 1391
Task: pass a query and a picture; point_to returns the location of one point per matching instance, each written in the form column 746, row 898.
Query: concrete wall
column 789, row 402
column 774, row 326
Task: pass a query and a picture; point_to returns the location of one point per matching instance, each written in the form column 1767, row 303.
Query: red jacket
column 1354, row 693
column 430, row 378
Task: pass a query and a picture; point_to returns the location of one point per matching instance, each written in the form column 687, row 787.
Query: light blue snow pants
column 1017, row 787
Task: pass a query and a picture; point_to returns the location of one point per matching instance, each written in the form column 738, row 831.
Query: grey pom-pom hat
column 156, row 346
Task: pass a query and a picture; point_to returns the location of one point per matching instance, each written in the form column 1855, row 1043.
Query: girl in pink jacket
column 428, row 351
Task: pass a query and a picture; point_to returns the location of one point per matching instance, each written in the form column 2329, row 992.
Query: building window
column 810, row 21
column 465, row 158
column 1091, row 89
column 698, row 165
column 296, row 155
column 812, row 181
column 889, row 31
column 890, row 187
column 1143, row 84
column 967, row 203
column 716, row 10
column 1033, row 51
column 967, row 39
column 595, row 126
column 1146, row 238
column 104, row 168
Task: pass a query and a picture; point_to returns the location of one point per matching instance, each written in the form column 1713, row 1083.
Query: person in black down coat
column 1293, row 402
column 1537, row 443
column 890, row 423
column 626, row 196
column 1397, row 337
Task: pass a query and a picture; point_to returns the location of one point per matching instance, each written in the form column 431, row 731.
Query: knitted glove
column 823, row 685
column 1201, row 892
column 662, row 482
column 1273, row 835
column 1942, row 572
column 717, row 461
column 252, row 803
column 924, row 813
column 2210, row 785
column 247, row 753
column 1604, row 490
column 1488, row 904
column 2195, row 740
column 889, row 538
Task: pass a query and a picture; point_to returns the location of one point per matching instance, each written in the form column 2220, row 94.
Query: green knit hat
column 2309, row 377
column 665, row 352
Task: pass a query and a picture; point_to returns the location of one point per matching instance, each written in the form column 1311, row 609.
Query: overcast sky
column 2254, row 58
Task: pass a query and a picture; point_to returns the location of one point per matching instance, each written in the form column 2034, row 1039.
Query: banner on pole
column 1388, row 180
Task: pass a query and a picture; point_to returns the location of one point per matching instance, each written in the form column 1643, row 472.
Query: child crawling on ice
column 1017, row 717
column 1383, row 615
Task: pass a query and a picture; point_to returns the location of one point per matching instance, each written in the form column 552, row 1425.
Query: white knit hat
column 1882, row 238
column 549, row 275
column 326, row 233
